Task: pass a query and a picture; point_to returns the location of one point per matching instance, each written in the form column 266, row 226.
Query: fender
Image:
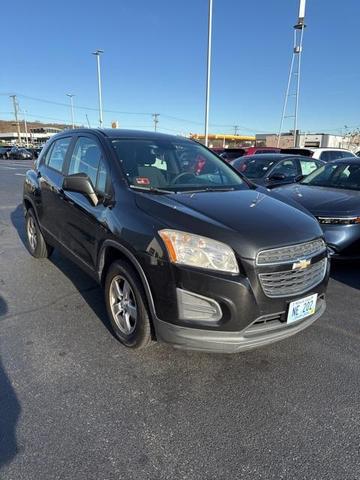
column 134, row 262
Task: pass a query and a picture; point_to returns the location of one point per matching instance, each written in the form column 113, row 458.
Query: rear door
column 86, row 225
column 50, row 173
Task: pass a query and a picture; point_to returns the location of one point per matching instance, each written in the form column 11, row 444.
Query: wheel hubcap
column 123, row 304
column 31, row 233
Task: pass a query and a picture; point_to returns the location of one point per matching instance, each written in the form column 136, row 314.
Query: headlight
column 196, row 251
column 339, row 221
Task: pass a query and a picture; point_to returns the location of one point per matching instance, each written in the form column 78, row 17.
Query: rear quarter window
column 56, row 155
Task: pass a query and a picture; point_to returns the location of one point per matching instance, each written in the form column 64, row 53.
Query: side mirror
column 81, row 183
column 276, row 177
column 299, row 178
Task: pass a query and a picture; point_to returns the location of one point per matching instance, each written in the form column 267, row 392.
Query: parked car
column 35, row 151
column 332, row 195
column 20, row 154
column 274, row 169
column 305, row 152
column 329, row 154
column 4, row 152
column 203, row 261
column 259, row 150
column 229, row 154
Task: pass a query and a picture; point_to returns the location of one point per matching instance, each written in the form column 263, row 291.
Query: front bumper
column 263, row 331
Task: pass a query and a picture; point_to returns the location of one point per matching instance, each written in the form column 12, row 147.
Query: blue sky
column 154, row 61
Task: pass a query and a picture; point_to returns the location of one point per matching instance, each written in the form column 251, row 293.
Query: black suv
column 187, row 250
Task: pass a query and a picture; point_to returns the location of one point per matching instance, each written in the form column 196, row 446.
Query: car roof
column 316, row 149
column 346, row 160
column 124, row 133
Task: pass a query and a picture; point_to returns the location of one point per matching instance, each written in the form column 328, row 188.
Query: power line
column 165, row 116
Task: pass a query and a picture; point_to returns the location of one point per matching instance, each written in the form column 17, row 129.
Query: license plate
column 302, row 308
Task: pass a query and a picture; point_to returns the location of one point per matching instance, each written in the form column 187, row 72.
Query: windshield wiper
column 209, row 189
column 152, row 189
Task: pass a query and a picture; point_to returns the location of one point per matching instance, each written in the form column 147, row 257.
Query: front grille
column 291, row 253
column 293, row 282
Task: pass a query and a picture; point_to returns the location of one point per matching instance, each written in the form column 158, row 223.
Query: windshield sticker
column 142, row 181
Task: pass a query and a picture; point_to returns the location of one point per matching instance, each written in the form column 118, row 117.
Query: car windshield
column 343, row 175
column 175, row 166
column 254, row 167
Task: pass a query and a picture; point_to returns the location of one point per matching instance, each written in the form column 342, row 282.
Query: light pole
column 208, row 73
column 97, row 53
column 71, row 96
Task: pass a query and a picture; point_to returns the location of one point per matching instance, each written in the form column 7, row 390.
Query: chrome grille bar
column 291, row 253
column 293, row 282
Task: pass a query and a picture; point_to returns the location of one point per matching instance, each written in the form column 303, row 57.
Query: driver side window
column 87, row 158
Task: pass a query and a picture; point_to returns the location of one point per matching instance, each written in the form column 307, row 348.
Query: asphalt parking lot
column 74, row 404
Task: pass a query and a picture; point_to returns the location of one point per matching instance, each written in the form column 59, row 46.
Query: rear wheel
column 126, row 307
column 35, row 240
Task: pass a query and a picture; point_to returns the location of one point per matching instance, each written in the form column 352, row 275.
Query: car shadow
column 9, row 410
column 86, row 286
column 90, row 290
column 17, row 219
column 346, row 272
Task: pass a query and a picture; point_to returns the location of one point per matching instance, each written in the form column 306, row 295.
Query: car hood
column 323, row 200
column 247, row 220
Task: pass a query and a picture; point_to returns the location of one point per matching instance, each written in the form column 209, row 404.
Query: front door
column 85, row 224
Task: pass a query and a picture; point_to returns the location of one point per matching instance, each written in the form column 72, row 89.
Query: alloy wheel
column 31, row 233
column 123, row 305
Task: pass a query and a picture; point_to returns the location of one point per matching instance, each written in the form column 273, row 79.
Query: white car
column 329, row 153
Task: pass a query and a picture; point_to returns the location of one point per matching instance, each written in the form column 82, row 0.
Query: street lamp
column 71, row 96
column 208, row 73
column 97, row 53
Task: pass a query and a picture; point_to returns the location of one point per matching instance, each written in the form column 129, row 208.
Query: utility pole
column 294, row 76
column 87, row 119
column 16, row 107
column 71, row 96
column 236, row 129
column 26, row 130
column 156, row 120
column 208, row 72
column 97, row 53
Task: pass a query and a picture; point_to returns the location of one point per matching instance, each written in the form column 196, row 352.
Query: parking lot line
column 5, row 207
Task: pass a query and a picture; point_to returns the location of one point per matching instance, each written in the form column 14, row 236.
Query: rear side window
column 308, row 166
column 346, row 154
column 329, row 155
column 56, row 155
column 87, row 158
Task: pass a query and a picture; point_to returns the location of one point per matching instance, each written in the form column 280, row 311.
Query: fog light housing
column 193, row 306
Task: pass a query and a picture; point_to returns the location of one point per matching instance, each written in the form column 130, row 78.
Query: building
column 224, row 140
column 305, row 140
column 35, row 136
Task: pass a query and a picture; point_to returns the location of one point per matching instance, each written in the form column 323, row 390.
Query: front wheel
column 35, row 240
column 126, row 306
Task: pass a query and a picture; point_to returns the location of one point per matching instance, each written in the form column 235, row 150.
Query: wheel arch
column 111, row 251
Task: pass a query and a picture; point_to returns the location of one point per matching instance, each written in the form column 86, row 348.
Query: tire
column 126, row 307
column 34, row 238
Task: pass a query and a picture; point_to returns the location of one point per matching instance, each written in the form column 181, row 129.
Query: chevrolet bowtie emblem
column 301, row 264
